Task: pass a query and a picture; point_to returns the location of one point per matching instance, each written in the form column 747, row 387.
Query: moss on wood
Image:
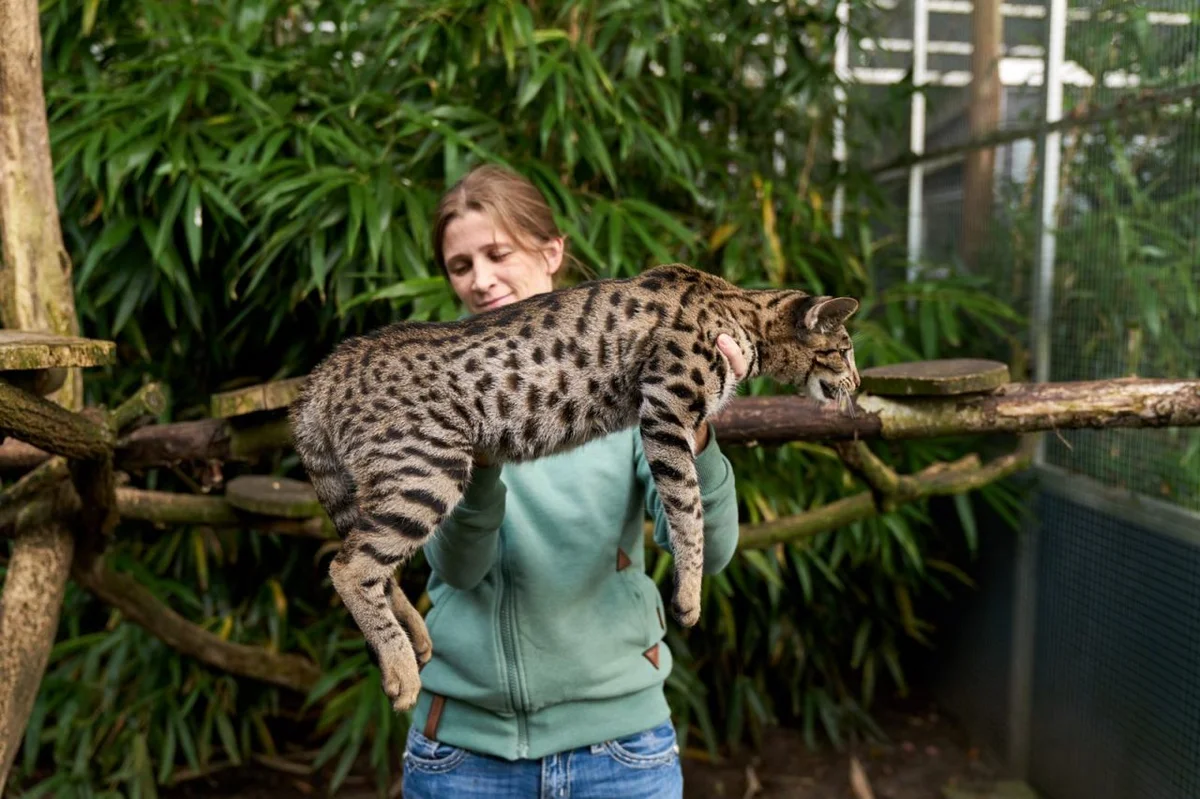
column 261, row 397
column 935, row 378
column 273, row 496
column 24, row 350
column 51, row 427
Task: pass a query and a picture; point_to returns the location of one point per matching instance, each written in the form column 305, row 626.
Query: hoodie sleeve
column 717, row 498
column 464, row 548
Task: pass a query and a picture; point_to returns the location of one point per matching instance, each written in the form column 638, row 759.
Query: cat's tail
column 328, row 475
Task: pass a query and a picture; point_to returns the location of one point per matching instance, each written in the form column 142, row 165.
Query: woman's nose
column 484, row 277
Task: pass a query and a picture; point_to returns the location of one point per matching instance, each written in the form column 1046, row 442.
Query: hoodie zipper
column 508, row 637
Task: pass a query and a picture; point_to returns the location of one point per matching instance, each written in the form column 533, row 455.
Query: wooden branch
column 47, row 501
column 40, row 479
column 140, row 606
column 93, row 479
column 938, row 480
column 149, row 400
column 1148, row 101
column 1012, row 408
column 202, row 440
column 162, row 507
column 51, row 427
column 17, row 457
column 172, row 443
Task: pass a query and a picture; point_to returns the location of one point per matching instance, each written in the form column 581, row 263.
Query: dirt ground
column 925, row 753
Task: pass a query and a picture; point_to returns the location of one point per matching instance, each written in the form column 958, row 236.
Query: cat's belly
column 539, row 435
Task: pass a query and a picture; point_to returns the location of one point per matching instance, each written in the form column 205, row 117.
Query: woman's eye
column 500, row 256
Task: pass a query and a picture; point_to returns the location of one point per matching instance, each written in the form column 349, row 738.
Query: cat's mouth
column 839, row 394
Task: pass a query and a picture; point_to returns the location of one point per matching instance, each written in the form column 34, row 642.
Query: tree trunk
column 983, row 111
column 35, row 294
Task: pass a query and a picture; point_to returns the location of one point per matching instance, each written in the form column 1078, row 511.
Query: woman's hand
column 737, row 363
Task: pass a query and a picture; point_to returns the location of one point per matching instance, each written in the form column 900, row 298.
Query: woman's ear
column 553, row 251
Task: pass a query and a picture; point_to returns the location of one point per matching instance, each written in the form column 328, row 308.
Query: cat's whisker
column 846, row 402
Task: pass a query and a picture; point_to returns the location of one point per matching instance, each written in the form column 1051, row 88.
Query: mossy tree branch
column 941, row 479
column 51, row 427
column 140, row 606
column 46, row 498
column 1012, row 408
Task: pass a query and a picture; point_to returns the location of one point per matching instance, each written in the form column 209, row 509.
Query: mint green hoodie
column 545, row 626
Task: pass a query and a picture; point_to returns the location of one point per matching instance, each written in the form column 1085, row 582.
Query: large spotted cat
column 387, row 426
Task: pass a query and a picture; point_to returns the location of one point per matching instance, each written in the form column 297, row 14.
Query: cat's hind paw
column 687, row 614
column 401, row 679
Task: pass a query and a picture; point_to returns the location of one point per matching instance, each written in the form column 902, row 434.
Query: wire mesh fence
column 1102, row 640
column 1126, row 296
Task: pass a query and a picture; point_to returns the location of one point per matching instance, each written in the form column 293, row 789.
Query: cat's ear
column 826, row 313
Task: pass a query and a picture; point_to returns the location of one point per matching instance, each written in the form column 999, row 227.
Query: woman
column 548, row 662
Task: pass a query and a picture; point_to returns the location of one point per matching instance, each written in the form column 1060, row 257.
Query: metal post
column 1024, row 605
column 916, row 174
column 1051, row 160
column 841, row 66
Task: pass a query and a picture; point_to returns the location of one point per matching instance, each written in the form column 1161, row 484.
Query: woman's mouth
column 496, row 303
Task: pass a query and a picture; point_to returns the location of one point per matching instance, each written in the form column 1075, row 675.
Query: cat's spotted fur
column 387, row 425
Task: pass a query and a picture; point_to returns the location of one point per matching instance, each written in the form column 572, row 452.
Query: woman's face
column 486, row 267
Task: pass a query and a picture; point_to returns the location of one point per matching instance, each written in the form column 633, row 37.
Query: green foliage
column 1127, row 282
column 243, row 183
column 1126, row 289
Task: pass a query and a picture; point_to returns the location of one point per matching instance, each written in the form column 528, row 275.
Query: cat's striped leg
column 667, row 442
column 401, row 504
column 410, row 618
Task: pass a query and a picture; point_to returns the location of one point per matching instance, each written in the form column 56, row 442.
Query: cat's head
column 817, row 353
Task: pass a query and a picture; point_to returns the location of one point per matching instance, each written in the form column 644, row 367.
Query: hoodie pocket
column 467, row 659
column 648, row 608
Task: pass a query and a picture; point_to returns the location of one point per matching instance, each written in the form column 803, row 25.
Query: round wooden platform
column 273, row 496
column 26, row 350
column 934, row 378
column 259, row 397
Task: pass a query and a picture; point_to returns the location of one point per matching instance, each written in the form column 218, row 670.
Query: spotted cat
column 387, row 426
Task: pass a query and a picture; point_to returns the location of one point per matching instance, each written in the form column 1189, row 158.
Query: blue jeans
column 640, row 766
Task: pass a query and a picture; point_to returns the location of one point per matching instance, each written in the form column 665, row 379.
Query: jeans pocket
column 648, row 749
column 429, row 756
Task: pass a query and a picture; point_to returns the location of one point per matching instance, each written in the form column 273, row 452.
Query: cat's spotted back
column 387, row 425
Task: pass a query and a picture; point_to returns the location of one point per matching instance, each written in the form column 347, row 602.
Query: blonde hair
column 510, row 200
